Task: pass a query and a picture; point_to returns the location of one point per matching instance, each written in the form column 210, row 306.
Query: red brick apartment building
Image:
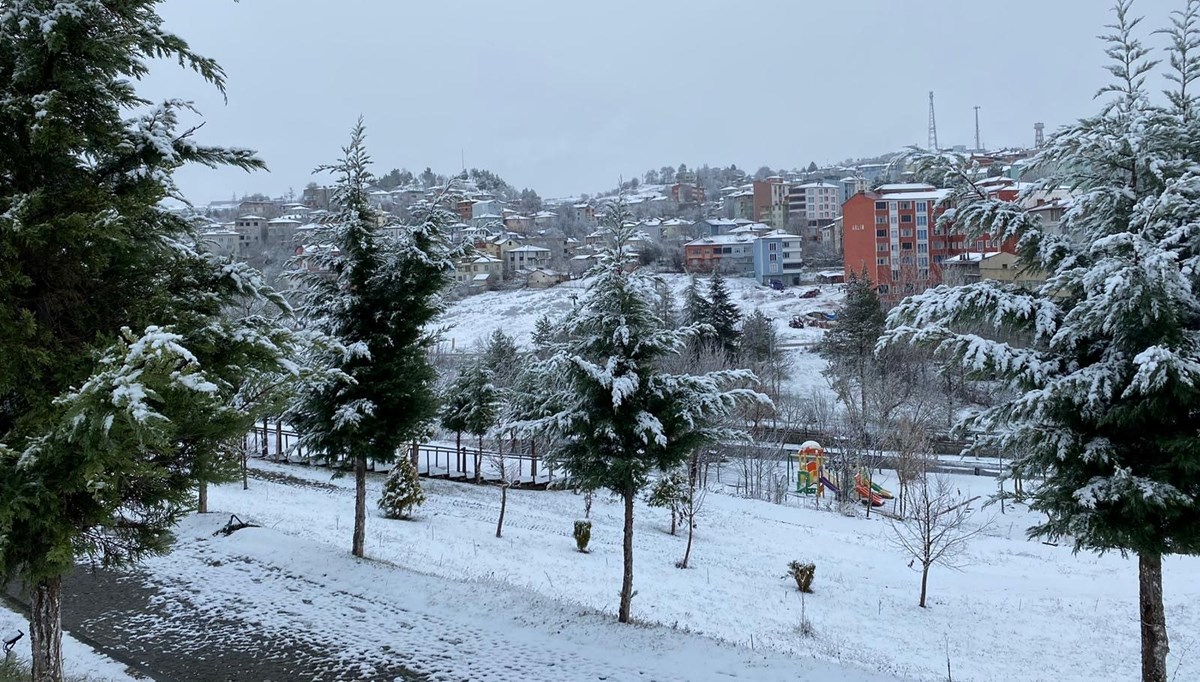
column 892, row 234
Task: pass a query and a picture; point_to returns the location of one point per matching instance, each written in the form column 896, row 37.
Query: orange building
column 892, row 234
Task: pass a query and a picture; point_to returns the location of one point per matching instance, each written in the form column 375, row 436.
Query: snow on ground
column 1021, row 609
column 471, row 320
column 78, row 658
column 375, row 615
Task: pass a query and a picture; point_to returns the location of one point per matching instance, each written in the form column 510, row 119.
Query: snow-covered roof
column 722, row 239
column 779, row 233
column 485, row 259
column 972, row 257
column 283, row 221
column 528, row 249
column 931, row 195
column 904, row 187
column 250, row 216
column 815, row 185
column 481, row 277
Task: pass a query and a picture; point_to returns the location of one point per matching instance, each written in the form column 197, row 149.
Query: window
column 923, row 261
column 922, row 234
column 923, row 274
column 881, row 247
column 774, row 257
column 904, row 205
column 727, row 249
column 907, row 260
column 881, row 220
column 773, row 246
column 895, row 233
column 906, row 246
column 922, row 248
column 906, row 219
column 906, row 233
column 788, row 245
column 892, row 205
column 881, row 261
column 939, row 245
column 882, row 288
column 880, row 205
column 922, row 220
column 921, row 206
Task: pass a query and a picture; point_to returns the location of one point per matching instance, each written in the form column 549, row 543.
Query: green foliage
column 107, row 414
column 722, row 315
column 582, row 532
column 471, row 402
column 849, row 347
column 669, row 491
column 1104, row 368
column 803, row 574
column 502, row 358
column 402, row 491
column 759, row 341
column 374, row 296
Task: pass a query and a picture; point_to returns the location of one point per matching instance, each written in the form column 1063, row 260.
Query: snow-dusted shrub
column 803, row 574
column 401, row 491
column 583, row 534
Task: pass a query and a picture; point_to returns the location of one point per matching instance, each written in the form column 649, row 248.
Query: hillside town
column 780, row 229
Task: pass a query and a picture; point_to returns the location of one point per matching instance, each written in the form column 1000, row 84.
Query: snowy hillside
column 1020, row 610
column 471, row 320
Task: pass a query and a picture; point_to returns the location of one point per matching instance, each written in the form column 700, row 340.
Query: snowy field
column 471, row 320
column 1021, row 610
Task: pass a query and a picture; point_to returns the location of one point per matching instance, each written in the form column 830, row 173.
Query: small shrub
column 401, row 491
column 583, row 534
column 802, row 574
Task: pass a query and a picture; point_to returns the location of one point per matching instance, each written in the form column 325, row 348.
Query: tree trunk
column 202, row 504
column 672, row 520
column 45, row 630
column 479, row 461
column 687, row 553
column 627, row 547
column 360, row 504
column 924, row 583
column 458, row 453
column 1154, row 620
column 279, row 439
column 245, row 469
column 503, row 504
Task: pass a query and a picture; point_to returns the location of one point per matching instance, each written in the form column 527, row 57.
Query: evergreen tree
column 695, row 306
column 502, row 358
column 1107, row 375
column 665, row 310
column 618, row 416
column 543, row 335
column 849, row 346
column 401, row 490
column 374, row 296
column 471, row 405
column 723, row 316
column 759, row 350
column 106, row 413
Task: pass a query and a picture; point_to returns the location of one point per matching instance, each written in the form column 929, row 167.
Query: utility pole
column 933, row 142
column 978, row 145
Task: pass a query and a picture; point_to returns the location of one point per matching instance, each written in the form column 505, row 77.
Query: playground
column 811, row 478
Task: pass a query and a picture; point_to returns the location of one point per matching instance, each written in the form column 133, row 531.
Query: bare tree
column 508, row 470
column 937, row 531
column 691, row 504
column 910, row 445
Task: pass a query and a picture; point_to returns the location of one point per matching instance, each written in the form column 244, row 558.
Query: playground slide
column 881, row 491
column 876, row 501
column 825, row 482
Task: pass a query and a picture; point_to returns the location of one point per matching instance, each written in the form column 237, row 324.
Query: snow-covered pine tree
column 502, row 358
column 401, row 490
column 695, row 306
column 723, row 316
column 1108, row 377
column 849, row 345
column 91, row 413
column 471, row 405
column 668, row 492
column 543, row 334
column 374, row 295
column 618, row 416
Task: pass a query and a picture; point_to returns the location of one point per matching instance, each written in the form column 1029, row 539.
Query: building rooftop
column 904, row 187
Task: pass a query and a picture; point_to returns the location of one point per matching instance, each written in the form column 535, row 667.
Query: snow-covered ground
column 1021, row 610
column 471, row 320
column 79, row 660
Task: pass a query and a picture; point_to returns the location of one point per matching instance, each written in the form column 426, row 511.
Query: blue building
column 777, row 256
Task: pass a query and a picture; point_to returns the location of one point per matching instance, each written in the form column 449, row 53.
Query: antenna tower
column 1039, row 135
column 978, row 145
column 933, row 143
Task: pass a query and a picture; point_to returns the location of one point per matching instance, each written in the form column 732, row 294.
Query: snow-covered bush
column 401, row 491
column 583, row 535
column 803, row 574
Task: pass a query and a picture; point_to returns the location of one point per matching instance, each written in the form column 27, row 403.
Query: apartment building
column 812, row 206
column 892, row 235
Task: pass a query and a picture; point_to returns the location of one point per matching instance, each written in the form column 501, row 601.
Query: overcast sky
column 564, row 96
